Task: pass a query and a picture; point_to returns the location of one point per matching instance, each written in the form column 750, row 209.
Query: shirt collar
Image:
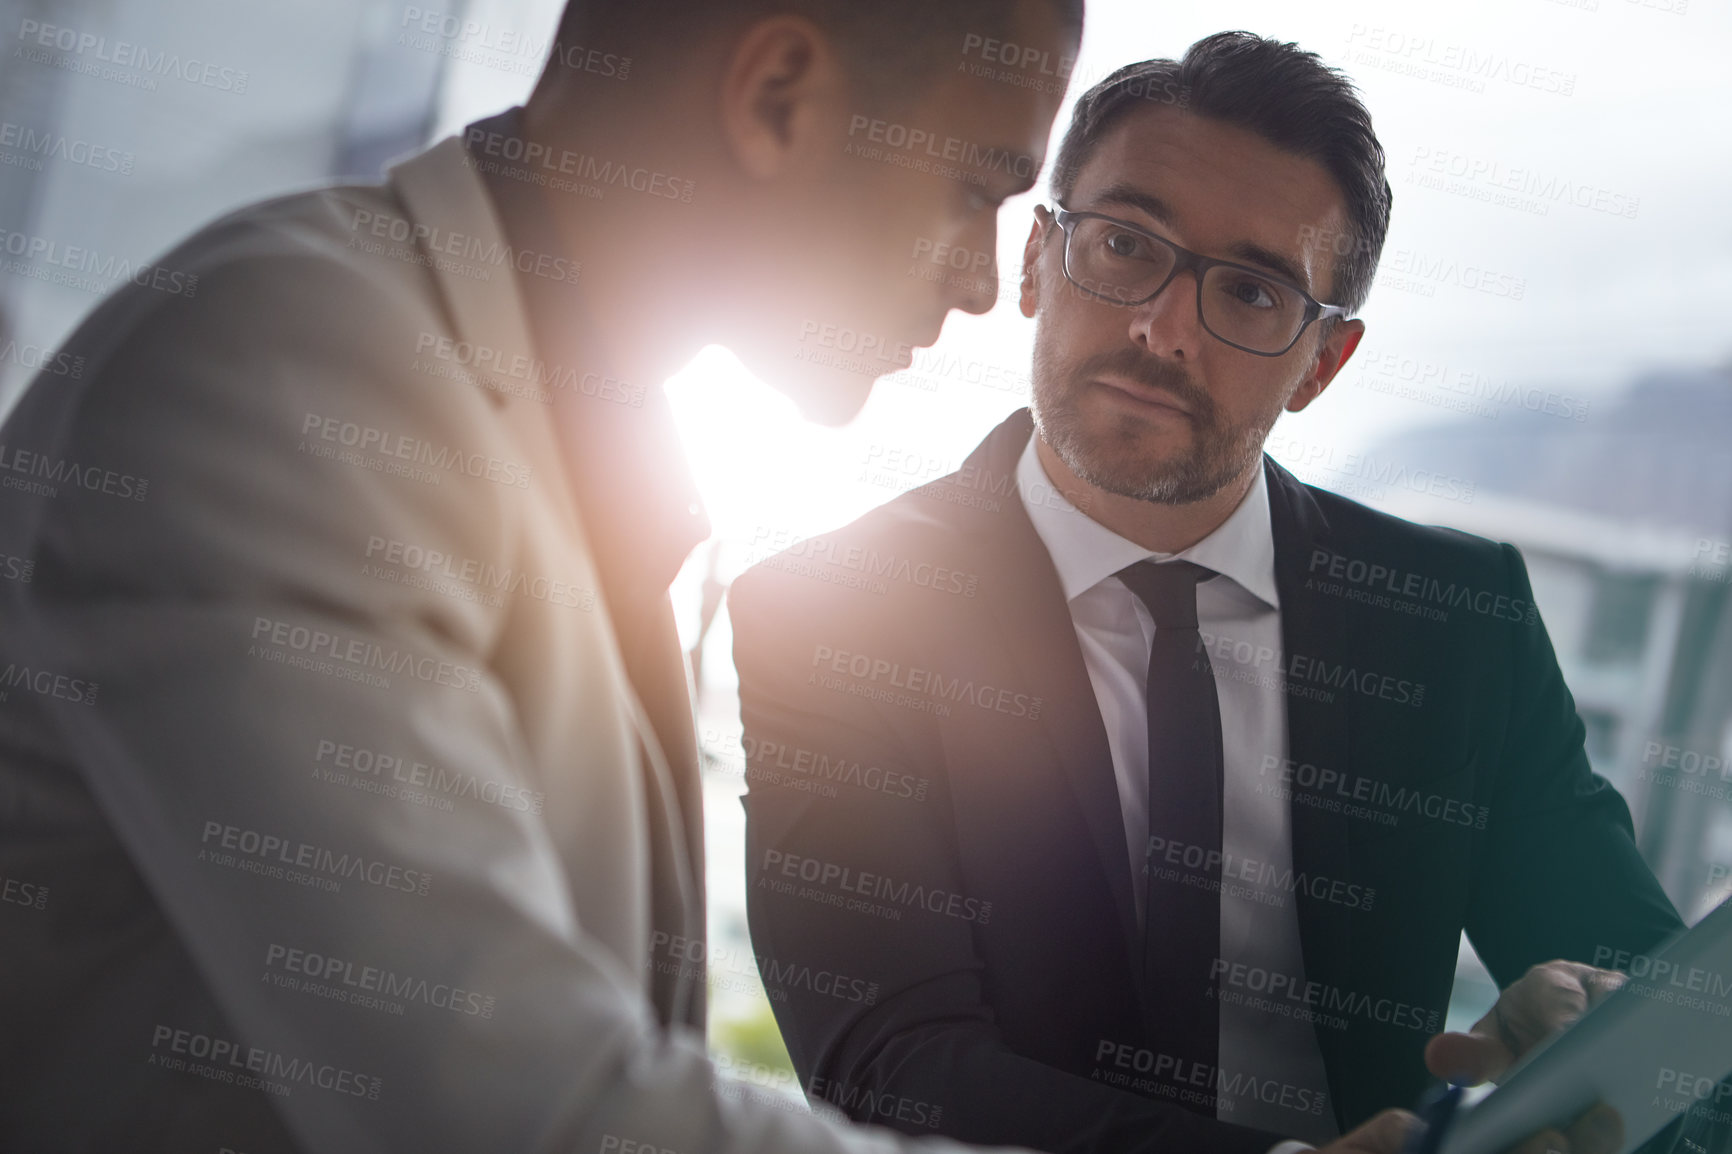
column 1085, row 552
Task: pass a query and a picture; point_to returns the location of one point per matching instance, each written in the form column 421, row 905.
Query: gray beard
column 1110, row 461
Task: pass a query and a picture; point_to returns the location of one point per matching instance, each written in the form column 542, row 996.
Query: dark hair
column 893, row 47
column 1287, row 96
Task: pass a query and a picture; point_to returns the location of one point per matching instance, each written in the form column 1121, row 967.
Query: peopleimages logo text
column 1420, row 587
column 268, row 847
column 377, row 980
column 831, row 875
column 1381, row 796
column 230, row 1061
column 1281, row 990
column 906, row 139
column 363, row 652
column 125, row 54
column 927, row 683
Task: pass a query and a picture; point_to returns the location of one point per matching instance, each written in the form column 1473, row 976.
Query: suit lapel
column 1314, row 627
column 1028, row 605
column 438, row 188
column 670, row 758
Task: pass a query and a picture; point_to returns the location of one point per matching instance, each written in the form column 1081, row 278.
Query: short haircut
column 1287, row 96
column 892, row 47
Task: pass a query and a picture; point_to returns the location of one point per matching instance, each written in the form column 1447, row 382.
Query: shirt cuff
column 1291, row 1146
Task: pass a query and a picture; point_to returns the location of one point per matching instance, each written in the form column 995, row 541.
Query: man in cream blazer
column 347, row 776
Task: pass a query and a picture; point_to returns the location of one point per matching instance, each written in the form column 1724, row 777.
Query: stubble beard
column 1112, row 459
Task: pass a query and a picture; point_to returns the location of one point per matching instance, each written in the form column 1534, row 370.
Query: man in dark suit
column 1147, row 790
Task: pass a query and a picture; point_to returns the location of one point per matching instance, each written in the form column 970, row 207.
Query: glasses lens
column 1111, row 261
column 1245, row 309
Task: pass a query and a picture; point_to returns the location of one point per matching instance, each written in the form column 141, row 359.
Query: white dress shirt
column 1260, row 1050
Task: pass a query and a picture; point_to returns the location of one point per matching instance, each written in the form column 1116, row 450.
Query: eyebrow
column 1147, row 202
column 1255, row 253
column 1161, row 213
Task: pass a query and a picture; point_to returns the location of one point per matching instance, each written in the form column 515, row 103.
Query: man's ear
column 1027, row 299
column 1343, row 339
column 776, row 84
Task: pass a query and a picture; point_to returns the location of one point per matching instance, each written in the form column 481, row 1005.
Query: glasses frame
column 1184, row 260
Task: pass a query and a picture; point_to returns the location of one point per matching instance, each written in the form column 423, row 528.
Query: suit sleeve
column 228, row 645
column 861, row 915
column 1561, row 876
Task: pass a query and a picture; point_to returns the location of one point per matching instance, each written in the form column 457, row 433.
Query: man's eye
column 975, row 200
column 1252, row 293
column 1126, row 244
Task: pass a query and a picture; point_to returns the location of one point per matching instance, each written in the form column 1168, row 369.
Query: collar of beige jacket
column 442, row 192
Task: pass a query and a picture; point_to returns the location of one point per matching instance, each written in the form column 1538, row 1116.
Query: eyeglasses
column 1240, row 306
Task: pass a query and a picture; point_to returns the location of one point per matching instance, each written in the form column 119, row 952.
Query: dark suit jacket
column 933, row 815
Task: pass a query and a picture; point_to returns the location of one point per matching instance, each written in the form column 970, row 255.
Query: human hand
column 1597, row 1131
column 1545, row 1000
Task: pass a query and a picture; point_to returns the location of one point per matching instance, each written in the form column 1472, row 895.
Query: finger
column 1594, row 983
column 1490, row 1025
column 1385, row 1134
column 1545, row 1142
column 1467, row 1059
column 1548, row 998
column 1601, row 984
column 1599, row 1131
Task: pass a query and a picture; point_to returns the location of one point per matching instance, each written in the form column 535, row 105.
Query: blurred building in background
column 162, row 116
column 1624, row 523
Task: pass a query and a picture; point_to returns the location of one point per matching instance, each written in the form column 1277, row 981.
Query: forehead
column 1228, row 190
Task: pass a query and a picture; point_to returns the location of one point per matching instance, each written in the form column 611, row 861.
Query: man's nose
column 968, row 269
column 1168, row 326
column 979, row 289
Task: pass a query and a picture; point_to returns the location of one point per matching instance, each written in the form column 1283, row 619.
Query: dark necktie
column 1182, row 911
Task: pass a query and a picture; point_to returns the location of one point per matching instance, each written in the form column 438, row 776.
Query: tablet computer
column 1658, row 1046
